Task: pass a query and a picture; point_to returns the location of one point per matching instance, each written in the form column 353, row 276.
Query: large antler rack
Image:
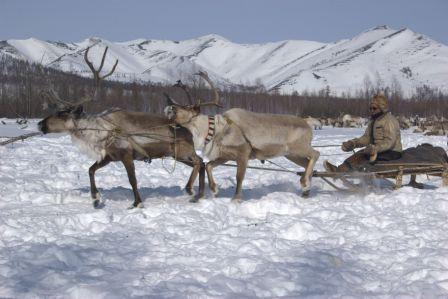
column 96, row 72
column 215, row 101
column 54, row 101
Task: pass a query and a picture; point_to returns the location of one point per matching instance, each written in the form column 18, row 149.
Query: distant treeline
column 21, row 83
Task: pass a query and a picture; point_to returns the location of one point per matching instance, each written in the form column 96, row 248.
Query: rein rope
column 170, row 171
column 21, row 137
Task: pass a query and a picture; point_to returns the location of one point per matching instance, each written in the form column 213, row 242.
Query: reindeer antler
column 96, row 73
column 170, row 100
column 53, row 101
column 51, row 98
column 185, row 89
column 215, row 102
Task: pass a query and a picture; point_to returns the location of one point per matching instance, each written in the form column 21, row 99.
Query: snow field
column 54, row 244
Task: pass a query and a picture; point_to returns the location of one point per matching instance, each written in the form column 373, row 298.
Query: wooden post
column 445, row 176
column 413, row 179
column 399, row 178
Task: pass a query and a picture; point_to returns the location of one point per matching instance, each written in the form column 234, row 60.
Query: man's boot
column 330, row 167
column 344, row 167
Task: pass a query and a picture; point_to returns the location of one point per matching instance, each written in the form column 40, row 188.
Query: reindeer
column 240, row 135
column 351, row 121
column 313, row 122
column 337, row 122
column 404, row 122
column 119, row 135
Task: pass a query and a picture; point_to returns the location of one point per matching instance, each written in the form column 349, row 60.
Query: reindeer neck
column 92, row 135
column 198, row 126
column 87, row 125
column 81, row 124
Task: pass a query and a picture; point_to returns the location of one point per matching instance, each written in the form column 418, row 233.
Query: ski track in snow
column 54, row 244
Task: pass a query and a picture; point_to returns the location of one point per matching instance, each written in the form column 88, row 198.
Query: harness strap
column 211, row 130
column 138, row 148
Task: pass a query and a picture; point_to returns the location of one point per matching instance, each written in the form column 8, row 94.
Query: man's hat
column 381, row 101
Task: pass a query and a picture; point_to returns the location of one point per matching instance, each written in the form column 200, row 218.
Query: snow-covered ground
column 54, row 244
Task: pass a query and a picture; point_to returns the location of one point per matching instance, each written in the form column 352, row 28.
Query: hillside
column 378, row 57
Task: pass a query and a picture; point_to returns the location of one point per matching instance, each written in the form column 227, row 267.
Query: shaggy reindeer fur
column 118, row 135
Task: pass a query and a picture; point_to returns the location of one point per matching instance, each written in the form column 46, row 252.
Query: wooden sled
column 358, row 180
column 424, row 159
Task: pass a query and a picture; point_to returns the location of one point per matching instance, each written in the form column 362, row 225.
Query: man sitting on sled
column 381, row 140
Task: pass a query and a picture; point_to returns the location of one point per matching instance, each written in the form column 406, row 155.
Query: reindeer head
column 68, row 112
column 182, row 114
column 61, row 121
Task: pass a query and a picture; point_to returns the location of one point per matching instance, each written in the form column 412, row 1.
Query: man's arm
column 364, row 140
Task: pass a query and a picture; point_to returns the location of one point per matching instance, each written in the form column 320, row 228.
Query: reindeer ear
column 78, row 111
column 197, row 108
column 169, row 100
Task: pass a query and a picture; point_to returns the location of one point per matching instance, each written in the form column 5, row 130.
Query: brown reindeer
column 119, row 135
column 240, row 135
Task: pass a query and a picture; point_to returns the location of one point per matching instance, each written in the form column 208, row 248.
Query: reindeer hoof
column 236, row 199
column 194, row 199
column 133, row 206
column 97, row 204
column 306, row 193
column 197, row 197
column 189, row 191
column 214, row 190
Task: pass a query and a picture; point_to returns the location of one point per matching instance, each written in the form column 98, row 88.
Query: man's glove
column 369, row 150
column 348, row 146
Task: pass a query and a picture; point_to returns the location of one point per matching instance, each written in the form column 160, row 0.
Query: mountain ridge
column 378, row 57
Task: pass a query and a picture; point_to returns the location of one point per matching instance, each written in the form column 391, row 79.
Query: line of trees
column 21, row 83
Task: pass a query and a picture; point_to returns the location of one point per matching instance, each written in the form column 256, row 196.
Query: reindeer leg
column 209, row 168
column 312, row 159
column 193, row 176
column 198, row 168
column 201, row 182
column 240, row 172
column 128, row 163
column 308, row 164
column 93, row 190
column 304, row 181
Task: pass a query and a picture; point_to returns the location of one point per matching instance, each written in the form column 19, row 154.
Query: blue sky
column 241, row 21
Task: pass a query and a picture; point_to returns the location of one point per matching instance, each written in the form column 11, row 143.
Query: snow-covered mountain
column 379, row 56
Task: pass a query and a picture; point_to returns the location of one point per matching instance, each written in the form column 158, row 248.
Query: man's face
column 374, row 109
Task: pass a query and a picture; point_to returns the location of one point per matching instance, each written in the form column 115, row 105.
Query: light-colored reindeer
column 240, row 135
column 351, row 121
column 313, row 122
column 118, row 135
